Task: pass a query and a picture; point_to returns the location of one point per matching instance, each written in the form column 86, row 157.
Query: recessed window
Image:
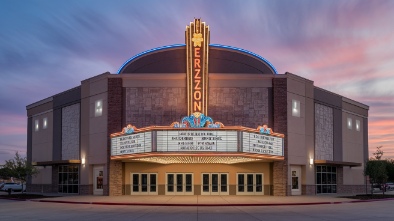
column 295, row 108
column 44, row 123
column 358, row 125
column 98, row 108
column 68, row 179
column 36, row 125
column 326, row 179
column 349, row 123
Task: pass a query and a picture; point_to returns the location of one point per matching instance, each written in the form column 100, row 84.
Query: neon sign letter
column 197, row 41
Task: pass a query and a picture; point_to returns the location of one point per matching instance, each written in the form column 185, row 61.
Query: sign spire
column 197, row 52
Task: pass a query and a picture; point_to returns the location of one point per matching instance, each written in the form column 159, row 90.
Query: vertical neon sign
column 197, row 41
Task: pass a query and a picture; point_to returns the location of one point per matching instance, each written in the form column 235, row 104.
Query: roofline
column 247, row 52
column 40, row 102
column 147, row 52
column 183, row 45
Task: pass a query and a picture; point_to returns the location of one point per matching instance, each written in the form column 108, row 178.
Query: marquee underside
column 189, row 158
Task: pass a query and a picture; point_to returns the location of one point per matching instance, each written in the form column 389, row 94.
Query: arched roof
column 172, row 59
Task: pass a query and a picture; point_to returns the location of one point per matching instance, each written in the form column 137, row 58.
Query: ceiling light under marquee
column 196, row 159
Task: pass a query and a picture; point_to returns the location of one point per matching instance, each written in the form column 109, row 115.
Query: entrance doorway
column 214, row 184
column 295, row 180
column 250, row 184
column 143, row 184
column 98, row 173
column 179, row 184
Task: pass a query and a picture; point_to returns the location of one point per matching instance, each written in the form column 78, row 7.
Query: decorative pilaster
column 280, row 168
column 114, row 169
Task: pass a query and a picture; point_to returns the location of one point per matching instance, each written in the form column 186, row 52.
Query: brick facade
column 86, row 189
column 114, row 168
column 232, row 106
column 280, row 168
column 154, row 106
column 239, row 106
column 40, row 188
column 115, row 178
column 308, row 190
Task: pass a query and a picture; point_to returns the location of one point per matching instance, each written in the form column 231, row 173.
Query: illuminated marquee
column 130, row 144
column 197, row 41
column 262, row 144
column 165, row 140
column 197, row 140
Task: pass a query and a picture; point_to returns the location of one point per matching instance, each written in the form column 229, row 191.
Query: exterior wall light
column 98, row 108
column 45, row 123
column 37, row 125
column 310, row 161
column 349, row 123
column 357, row 125
column 295, row 108
column 83, row 161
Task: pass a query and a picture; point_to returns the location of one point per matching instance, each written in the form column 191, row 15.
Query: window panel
column 326, row 179
column 68, row 179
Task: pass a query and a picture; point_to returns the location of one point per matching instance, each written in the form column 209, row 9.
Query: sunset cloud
column 47, row 47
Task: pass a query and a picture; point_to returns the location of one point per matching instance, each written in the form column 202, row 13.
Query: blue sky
column 48, row 46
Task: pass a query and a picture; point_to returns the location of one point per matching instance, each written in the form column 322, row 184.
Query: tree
column 379, row 153
column 390, row 170
column 20, row 168
column 5, row 173
column 377, row 172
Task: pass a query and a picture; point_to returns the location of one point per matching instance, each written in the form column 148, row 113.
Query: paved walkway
column 198, row 200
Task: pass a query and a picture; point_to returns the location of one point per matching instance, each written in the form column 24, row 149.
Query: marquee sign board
column 231, row 141
column 262, row 144
column 130, row 144
column 197, row 140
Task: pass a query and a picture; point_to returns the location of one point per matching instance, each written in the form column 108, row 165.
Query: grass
column 24, row 196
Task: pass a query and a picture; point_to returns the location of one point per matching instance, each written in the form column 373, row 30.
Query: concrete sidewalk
column 198, row 200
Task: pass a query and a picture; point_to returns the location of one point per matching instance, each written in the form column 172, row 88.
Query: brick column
column 114, row 168
column 280, row 168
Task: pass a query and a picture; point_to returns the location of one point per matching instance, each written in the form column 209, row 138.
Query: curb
column 207, row 204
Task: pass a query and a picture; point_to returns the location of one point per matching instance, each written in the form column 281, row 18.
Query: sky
column 49, row 46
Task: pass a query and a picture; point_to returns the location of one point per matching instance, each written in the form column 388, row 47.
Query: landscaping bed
column 24, row 196
column 370, row 196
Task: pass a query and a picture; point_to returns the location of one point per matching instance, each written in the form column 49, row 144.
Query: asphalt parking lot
column 30, row 210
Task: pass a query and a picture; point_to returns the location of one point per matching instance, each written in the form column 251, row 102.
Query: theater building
column 197, row 119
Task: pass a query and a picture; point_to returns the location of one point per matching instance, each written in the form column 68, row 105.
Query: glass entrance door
column 98, row 180
column 295, row 180
column 250, row 184
column 179, row 184
column 143, row 184
column 214, row 184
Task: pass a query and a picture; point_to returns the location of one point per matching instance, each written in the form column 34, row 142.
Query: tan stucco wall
column 352, row 150
column 353, row 176
column 44, row 176
column 93, row 129
column 301, row 129
column 42, row 140
column 352, row 139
